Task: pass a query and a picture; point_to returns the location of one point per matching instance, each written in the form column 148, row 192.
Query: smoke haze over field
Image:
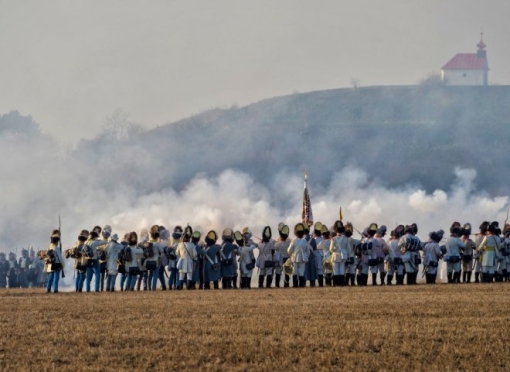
column 118, row 182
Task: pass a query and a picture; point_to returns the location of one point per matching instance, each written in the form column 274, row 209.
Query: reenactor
column 265, row 261
column 299, row 251
column 467, row 253
column 281, row 256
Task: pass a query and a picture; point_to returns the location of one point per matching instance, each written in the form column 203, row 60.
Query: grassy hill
column 399, row 134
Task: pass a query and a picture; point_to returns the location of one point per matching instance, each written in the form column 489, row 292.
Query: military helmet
column 188, row 231
column 466, row 229
column 324, row 229
column 154, row 231
column 299, row 228
column 228, row 234
column 415, row 228
column 238, row 236
column 280, row 225
column 455, row 228
column 212, row 236
column 196, row 234
column 266, row 234
column 317, row 228
column 399, row 231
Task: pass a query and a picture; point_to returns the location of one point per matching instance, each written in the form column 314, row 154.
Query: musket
column 60, row 244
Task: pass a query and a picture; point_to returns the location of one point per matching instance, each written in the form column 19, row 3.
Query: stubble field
column 441, row 327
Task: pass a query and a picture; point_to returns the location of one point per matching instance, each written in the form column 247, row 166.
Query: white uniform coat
column 112, row 254
column 186, row 254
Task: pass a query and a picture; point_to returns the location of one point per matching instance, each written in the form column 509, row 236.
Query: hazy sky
column 70, row 64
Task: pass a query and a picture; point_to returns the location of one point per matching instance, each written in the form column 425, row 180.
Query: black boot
column 216, row 284
column 477, row 277
column 450, row 277
column 353, row 279
column 328, row 280
column 278, row 278
column 364, row 279
column 457, row 277
column 189, row 285
column 468, row 277
column 286, row 281
column 261, row 281
column 295, row 283
column 341, row 280
column 383, row 276
column 389, row 279
column 269, row 281
column 490, row 278
column 464, row 274
column 302, row 282
column 374, row 278
column 321, row 280
column 359, row 279
column 400, row 279
column 224, row 284
column 242, row 285
column 234, row 282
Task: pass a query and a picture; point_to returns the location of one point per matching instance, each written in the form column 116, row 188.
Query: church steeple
column 481, row 53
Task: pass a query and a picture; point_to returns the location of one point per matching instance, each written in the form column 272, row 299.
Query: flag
column 307, row 215
column 340, row 214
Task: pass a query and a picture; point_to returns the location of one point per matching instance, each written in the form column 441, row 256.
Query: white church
column 467, row 68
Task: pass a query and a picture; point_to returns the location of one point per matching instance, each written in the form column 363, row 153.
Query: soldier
column 454, row 246
column 228, row 254
column 198, row 270
column 112, row 255
column 299, row 252
column 505, row 251
column 212, row 271
column 281, row 256
column 350, row 263
column 364, row 252
column 379, row 251
column 246, row 260
column 467, row 253
column 431, row 255
column 164, row 241
column 32, row 270
column 501, row 268
column 265, row 261
column 54, row 262
column 338, row 249
column 409, row 243
column 80, row 262
column 172, row 258
column 153, row 257
column 142, row 270
column 326, row 256
column 318, row 253
column 121, row 263
column 477, row 255
column 311, row 266
column 186, row 254
column 133, row 254
column 23, row 265
column 489, row 252
column 4, row 269
column 13, row 270
column 394, row 260
column 101, row 255
column 93, row 267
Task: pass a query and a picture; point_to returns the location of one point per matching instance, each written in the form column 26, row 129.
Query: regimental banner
column 307, row 215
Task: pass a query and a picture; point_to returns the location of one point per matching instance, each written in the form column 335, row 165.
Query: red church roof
column 466, row 61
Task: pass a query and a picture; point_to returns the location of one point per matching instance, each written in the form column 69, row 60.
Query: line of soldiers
column 25, row 272
column 331, row 257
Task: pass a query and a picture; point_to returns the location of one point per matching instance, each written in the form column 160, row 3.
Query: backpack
column 128, row 255
column 87, row 251
column 148, row 250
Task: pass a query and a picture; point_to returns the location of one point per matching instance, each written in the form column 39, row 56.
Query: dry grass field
column 442, row 327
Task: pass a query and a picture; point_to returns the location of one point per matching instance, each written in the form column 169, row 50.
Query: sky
column 71, row 64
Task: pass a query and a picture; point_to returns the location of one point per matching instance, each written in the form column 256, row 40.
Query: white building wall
column 462, row 77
